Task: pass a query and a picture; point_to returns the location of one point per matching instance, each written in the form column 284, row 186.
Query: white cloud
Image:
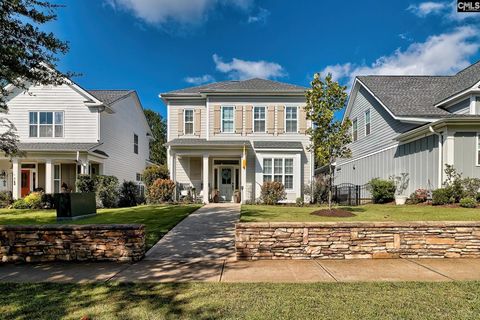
column 200, row 80
column 185, row 12
column 438, row 55
column 260, row 17
column 243, row 69
column 426, row 8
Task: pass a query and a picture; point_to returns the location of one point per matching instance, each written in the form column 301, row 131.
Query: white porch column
column 243, row 177
column 17, row 174
column 48, row 176
column 205, row 173
column 449, row 146
column 173, row 172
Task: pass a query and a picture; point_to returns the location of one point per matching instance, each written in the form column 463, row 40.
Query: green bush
column 419, row 196
column 107, row 191
column 129, row 194
column 34, row 200
column 272, row 192
column 382, row 191
column 5, row 199
column 317, row 190
column 468, row 202
column 470, row 187
column 48, row 201
column 299, row 202
column 454, row 183
column 85, row 183
column 151, row 174
column 20, row 204
column 161, row 190
column 443, row 196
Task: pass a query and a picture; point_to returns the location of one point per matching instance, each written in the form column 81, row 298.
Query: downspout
column 440, row 155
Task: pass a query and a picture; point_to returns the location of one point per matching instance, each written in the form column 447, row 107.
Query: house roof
column 417, row 95
column 195, row 142
column 54, row 146
column 255, row 85
column 110, row 96
column 273, row 144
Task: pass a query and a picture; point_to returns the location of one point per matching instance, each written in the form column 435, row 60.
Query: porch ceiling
column 196, row 143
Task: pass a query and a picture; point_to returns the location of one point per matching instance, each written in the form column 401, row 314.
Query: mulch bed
column 333, row 213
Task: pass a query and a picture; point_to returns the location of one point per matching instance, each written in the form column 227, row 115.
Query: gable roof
column 110, row 96
column 418, row 96
column 255, row 85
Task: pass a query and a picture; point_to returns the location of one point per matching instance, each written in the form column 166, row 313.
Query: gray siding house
column 413, row 124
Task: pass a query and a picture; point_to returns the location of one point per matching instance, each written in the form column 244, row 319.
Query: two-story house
column 413, row 124
column 66, row 130
column 229, row 137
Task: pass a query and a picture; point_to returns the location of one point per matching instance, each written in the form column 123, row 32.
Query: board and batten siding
column 418, row 158
column 465, row 154
column 117, row 132
column 80, row 122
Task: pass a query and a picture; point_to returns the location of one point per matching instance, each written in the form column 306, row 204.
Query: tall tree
column 27, row 55
column 329, row 136
column 158, row 125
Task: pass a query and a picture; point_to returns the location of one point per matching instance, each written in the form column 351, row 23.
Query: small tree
column 329, row 136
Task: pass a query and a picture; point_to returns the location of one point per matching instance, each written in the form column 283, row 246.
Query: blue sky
column 155, row 46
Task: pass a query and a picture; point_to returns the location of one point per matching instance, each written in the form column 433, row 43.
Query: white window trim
column 365, row 122
column 353, row 129
column 285, row 120
column 264, row 119
column 53, row 124
column 221, row 119
column 59, row 165
column 283, row 174
column 185, row 122
column 477, row 149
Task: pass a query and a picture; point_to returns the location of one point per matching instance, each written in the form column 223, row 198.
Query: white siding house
column 65, row 130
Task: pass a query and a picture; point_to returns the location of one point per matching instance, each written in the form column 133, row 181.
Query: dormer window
column 45, row 124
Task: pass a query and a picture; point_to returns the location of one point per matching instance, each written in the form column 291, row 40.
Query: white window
column 57, row 176
column 135, row 143
column 282, row 171
column 478, row 149
column 367, row 122
column 355, row 129
column 259, row 119
column 291, row 119
column 227, row 119
column 45, row 124
column 188, row 123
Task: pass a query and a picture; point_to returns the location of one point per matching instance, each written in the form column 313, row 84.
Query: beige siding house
column 227, row 138
column 65, row 131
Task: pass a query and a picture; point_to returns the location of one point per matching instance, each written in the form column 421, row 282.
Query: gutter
column 440, row 154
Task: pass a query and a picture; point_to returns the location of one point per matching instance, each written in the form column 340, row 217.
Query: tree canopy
column 158, row 125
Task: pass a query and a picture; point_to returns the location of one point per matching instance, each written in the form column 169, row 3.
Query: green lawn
column 158, row 220
column 370, row 212
column 447, row 300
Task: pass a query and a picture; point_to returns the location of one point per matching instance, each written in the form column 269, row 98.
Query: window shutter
column 280, row 119
column 271, row 119
column 248, row 119
column 238, row 119
column 180, row 122
column 198, row 121
column 216, row 119
column 302, row 120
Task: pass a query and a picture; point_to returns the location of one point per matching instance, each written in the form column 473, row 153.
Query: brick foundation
column 43, row 243
column 357, row 240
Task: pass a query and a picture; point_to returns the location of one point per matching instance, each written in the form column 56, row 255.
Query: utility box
column 75, row 205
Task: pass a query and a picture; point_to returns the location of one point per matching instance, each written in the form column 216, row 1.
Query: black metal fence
column 348, row 194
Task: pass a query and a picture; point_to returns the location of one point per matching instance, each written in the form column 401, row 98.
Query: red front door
column 25, row 180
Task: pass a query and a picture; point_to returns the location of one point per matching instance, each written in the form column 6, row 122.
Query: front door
column 226, row 184
column 25, row 183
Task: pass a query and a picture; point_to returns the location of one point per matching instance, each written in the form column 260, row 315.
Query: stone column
column 205, row 173
column 49, row 176
column 17, row 176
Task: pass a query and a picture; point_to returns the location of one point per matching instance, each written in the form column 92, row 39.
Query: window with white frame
column 57, row 176
column 367, row 122
column 478, row 149
column 291, row 119
column 227, row 119
column 280, row 170
column 259, row 119
column 188, row 121
column 45, row 124
column 355, row 129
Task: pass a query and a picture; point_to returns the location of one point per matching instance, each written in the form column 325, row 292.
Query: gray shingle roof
column 47, row 146
column 251, row 85
column 273, row 144
column 110, row 96
column 203, row 142
column 418, row 95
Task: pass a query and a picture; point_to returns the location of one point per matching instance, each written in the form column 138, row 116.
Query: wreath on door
column 226, row 174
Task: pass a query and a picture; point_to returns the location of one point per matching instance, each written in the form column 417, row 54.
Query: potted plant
column 401, row 184
column 215, row 196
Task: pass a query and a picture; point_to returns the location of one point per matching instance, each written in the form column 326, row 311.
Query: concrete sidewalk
column 224, row 270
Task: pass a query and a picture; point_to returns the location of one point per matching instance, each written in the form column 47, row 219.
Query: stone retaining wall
column 364, row 240
column 40, row 243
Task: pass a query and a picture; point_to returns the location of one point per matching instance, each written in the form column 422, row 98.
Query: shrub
column 468, row 202
column 5, row 199
column 107, row 190
column 85, row 183
column 20, row 204
column 470, row 187
column 129, row 194
column 382, row 190
column 272, row 192
column 419, row 196
column 151, row 174
column 299, row 202
column 318, row 190
column 453, row 182
column 161, row 191
column 48, row 201
column 442, row 196
column 34, row 200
